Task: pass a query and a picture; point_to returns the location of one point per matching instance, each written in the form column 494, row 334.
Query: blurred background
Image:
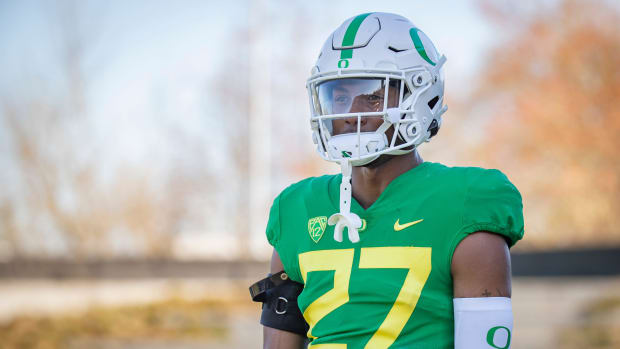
column 142, row 142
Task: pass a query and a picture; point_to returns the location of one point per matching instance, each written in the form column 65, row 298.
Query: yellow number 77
column 416, row 259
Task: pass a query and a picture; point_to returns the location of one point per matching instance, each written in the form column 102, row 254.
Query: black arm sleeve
column 279, row 297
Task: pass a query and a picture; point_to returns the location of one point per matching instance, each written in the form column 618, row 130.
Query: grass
column 174, row 319
column 598, row 327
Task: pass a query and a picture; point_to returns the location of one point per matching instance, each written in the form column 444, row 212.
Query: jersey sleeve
column 273, row 224
column 492, row 203
column 279, row 236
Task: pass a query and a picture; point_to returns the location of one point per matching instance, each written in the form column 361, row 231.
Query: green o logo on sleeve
column 491, row 337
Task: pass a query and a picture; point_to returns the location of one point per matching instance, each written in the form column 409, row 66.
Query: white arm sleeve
column 482, row 323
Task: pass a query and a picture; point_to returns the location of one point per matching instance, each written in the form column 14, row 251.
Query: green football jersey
column 393, row 288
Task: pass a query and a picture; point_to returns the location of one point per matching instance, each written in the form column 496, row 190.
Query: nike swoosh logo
column 399, row 227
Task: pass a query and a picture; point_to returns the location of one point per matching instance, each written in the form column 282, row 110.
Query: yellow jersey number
column 416, row 259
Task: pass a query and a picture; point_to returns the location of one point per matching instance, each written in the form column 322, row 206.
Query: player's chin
column 383, row 159
column 378, row 162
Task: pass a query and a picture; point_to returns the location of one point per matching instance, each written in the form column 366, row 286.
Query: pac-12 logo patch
column 316, row 227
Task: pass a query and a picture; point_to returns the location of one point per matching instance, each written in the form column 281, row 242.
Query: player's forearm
column 483, row 322
column 277, row 339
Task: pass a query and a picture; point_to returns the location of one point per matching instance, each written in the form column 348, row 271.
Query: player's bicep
column 278, row 339
column 276, row 265
column 481, row 267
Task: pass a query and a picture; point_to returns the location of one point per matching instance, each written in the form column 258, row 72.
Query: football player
column 395, row 251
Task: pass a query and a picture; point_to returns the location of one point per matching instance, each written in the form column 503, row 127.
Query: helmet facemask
column 352, row 113
column 358, row 97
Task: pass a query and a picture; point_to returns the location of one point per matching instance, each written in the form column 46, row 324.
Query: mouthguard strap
column 345, row 218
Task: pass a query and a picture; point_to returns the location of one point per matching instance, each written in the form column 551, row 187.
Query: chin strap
column 345, row 218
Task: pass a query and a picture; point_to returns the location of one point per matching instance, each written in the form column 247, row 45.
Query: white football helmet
column 375, row 65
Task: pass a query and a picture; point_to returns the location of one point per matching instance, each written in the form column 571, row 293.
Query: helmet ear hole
column 433, row 127
column 432, row 102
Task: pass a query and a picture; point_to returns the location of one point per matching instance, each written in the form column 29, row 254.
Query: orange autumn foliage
column 551, row 93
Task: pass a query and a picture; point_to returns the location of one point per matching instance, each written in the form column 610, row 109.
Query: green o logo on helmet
column 491, row 337
column 343, row 63
column 419, row 45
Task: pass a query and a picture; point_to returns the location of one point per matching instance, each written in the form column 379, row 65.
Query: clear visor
column 357, row 95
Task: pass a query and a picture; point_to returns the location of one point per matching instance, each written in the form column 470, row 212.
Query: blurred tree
column 292, row 155
column 46, row 132
column 298, row 159
column 549, row 96
column 61, row 205
column 230, row 88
